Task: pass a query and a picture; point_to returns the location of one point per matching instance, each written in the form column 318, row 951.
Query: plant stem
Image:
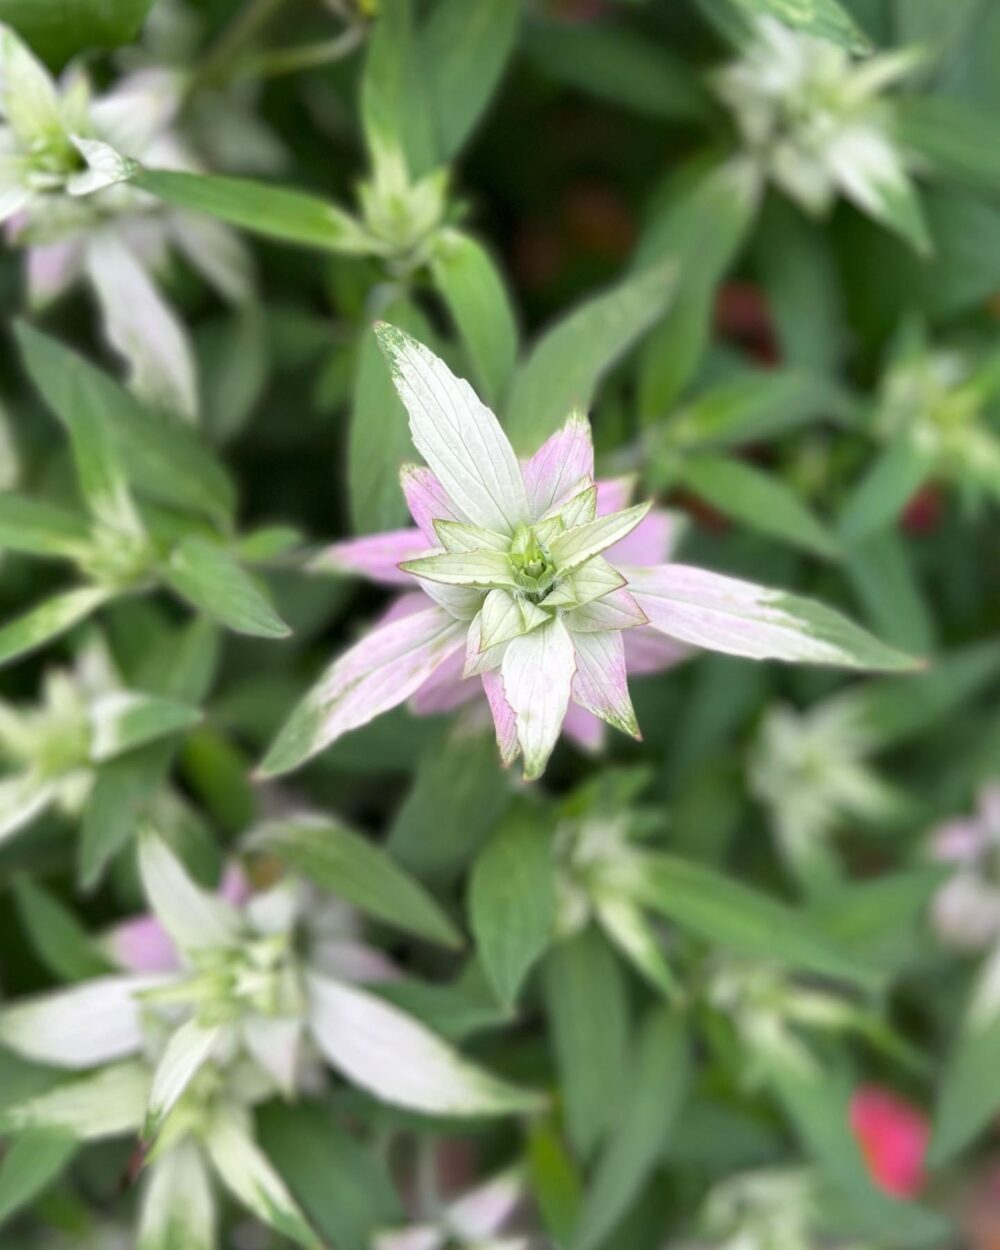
column 241, row 30
column 305, row 56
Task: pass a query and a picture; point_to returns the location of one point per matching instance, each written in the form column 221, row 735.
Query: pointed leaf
column 567, row 364
column 49, row 620
column 56, row 934
column 537, row 673
column 512, row 901
column 354, row 869
column 723, row 911
column 207, row 576
column 479, row 304
column 274, row 212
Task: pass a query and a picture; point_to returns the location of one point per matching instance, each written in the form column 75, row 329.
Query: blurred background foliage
column 704, row 945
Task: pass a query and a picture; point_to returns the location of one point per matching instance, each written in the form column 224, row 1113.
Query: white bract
column 65, row 157
column 817, row 123
column 522, row 574
column 476, row 1221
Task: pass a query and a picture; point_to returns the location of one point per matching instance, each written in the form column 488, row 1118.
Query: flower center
column 532, row 563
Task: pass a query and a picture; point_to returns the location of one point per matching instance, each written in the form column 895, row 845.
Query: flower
column 62, row 195
column 234, row 1013
column 814, row 121
column 85, row 719
column 511, row 560
column 893, row 1136
column 966, row 909
column 811, row 771
column 474, row 1221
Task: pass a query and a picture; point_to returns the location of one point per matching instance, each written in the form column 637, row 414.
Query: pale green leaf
column 48, row 621
column 207, row 576
column 274, row 212
column 479, row 303
column 564, row 368
column 512, row 901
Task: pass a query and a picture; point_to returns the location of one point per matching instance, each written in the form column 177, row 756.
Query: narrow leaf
column 354, row 869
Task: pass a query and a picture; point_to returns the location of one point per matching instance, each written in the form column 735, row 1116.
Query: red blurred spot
column 922, row 515
column 700, row 512
column 538, row 255
column 893, row 1136
column 599, row 220
column 742, row 315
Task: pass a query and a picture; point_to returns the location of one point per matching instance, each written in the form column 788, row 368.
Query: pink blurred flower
column 893, row 1136
column 966, row 910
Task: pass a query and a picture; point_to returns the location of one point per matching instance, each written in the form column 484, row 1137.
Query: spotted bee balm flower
column 523, row 578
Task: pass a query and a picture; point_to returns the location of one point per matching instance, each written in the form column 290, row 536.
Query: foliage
column 621, row 868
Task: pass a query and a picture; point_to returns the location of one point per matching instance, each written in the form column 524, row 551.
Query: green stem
column 305, row 56
column 243, row 28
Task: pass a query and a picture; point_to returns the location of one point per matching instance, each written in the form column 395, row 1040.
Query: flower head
column 966, row 909
column 818, row 125
column 65, row 157
column 52, row 750
column 528, row 585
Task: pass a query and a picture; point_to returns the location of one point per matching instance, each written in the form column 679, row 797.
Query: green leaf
column 353, row 868
column 379, row 442
column 395, row 103
column 341, row 1185
column 888, row 484
column 557, row 1186
column 468, row 46
column 32, row 1162
column 880, row 920
column 38, row 528
column 274, row 212
column 207, row 576
column 701, row 229
column 884, row 577
column 58, row 29
column 616, row 65
column 59, row 939
column 587, row 1002
column 725, row 912
column 48, row 621
column 759, row 500
column 754, row 405
column 164, row 460
column 969, row 1093
column 891, row 712
column 657, row 1086
column 125, row 720
column 566, row 365
column 826, row 18
column 512, row 900
column 480, row 306
column 803, row 286
column 956, row 137
column 459, row 794
column 181, row 667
